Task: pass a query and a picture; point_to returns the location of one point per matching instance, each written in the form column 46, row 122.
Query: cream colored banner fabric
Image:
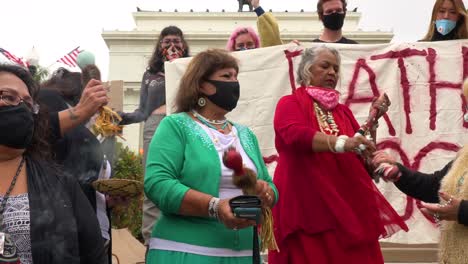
column 425, row 121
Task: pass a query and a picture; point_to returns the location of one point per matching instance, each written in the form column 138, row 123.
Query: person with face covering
column 332, row 13
column 152, row 109
column 44, row 216
column 448, row 21
column 444, row 194
column 330, row 211
column 185, row 174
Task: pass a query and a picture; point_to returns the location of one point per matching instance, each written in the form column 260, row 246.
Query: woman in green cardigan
column 185, row 175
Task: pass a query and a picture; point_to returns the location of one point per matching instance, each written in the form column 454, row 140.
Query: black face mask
column 333, row 21
column 226, row 96
column 16, row 126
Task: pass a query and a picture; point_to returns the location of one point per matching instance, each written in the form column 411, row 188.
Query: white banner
column 424, row 125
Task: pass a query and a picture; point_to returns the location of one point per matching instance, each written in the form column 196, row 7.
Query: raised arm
column 267, row 26
column 139, row 114
column 94, row 96
column 422, row 186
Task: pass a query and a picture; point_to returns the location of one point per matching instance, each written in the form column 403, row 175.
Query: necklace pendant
column 2, row 242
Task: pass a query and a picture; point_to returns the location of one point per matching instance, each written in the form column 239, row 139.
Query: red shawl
column 322, row 191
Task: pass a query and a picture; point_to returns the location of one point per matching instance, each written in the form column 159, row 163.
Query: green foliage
column 40, row 74
column 128, row 165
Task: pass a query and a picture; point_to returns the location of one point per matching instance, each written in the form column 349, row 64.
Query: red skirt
column 323, row 248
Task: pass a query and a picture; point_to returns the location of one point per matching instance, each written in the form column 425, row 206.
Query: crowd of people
column 326, row 209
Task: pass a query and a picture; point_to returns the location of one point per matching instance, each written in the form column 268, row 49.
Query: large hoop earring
column 201, row 102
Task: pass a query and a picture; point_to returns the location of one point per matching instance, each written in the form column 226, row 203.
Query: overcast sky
column 55, row 27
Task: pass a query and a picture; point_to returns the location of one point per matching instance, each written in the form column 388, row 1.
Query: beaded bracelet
column 213, row 207
column 340, row 143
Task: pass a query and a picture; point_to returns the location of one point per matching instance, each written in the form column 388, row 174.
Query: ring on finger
column 450, row 200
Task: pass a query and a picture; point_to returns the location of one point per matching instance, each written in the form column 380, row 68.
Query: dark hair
column 67, row 83
column 199, row 70
column 39, row 147
column 156, row 63
column 89, row 72
column 320, row 6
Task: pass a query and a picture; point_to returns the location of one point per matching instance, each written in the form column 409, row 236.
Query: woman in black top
column 43, row 211
column 152, row 109
column 445, row 193
column 448, row 21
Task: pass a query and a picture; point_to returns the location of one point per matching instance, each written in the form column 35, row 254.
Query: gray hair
column 308, row 59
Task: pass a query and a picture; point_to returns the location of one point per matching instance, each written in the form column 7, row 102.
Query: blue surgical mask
column 445, row 26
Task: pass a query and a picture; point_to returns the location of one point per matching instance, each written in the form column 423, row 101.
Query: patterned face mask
column 326, row 97
column 172, row 52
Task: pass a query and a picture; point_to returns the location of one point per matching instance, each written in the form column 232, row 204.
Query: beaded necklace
column 326, row 121
column 210, row 123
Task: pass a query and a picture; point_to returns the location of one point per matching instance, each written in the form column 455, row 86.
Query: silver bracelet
column 340, row 143
column 213, row 207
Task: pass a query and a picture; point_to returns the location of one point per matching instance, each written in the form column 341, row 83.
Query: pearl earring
column 201, row 102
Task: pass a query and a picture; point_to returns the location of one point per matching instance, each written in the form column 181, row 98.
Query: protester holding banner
column 44, row 216
column 330, row 211
column 448, row 21
column 186, row 176
column 446, row 189
column 170, row 45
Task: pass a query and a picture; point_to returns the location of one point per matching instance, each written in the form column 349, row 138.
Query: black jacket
column 78, row 151
column 63, row 226
column 425, row 187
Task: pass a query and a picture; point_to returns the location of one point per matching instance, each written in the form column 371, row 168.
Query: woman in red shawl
column 330, row 211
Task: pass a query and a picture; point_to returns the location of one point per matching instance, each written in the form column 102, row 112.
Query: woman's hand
column 356, row 143
column 385, row 166
column 446, row 210
column 265, row 193
column 229, row 220
column 93, row 97
column 381, row 156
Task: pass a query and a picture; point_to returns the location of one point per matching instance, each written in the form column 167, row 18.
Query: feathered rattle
column 246, row 179
column 107, row 122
